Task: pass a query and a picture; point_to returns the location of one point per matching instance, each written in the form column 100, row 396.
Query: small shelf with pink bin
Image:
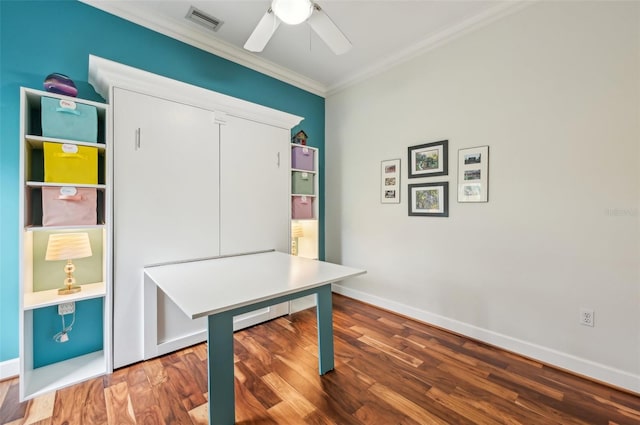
column 304, row 201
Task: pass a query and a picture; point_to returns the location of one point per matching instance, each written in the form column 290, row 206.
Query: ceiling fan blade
column 328, row 31
column 263, row 32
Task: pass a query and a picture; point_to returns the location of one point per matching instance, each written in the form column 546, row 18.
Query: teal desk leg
column 221, row 391
column 325, row 329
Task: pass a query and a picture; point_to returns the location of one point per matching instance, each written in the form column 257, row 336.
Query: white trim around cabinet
column 104, row 74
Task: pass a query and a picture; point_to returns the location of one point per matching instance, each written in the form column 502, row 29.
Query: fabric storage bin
column 69, row 206
column 66, row 119
column 302, row 183
column 301, row 207
column 302, row 158
column 68, row 163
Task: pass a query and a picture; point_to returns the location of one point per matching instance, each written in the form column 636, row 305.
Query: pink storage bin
column 302, row 158
column 69, row 206
column 301, row 207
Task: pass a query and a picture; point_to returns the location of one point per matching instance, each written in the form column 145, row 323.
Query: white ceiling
column 383, row 33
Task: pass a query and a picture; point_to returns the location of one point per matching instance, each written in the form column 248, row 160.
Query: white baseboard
column 9, row 369
column 600, row 372
column 597, row 371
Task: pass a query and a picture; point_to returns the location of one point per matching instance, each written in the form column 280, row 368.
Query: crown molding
column 441, row 38
column 173, row 29
column 105, row 74
column 170, row 28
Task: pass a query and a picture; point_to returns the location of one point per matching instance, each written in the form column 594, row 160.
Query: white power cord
column 62, row 335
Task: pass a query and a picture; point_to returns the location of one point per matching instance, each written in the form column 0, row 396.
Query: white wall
column 554, row 90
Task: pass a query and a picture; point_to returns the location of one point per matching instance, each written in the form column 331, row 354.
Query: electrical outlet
column 66, row 308
column 586, row 316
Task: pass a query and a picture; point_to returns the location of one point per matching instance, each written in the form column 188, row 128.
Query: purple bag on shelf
column 60, row 84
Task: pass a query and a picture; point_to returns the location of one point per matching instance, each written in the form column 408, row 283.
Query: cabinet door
column 254, row 191
column 166, row 208
column 254, row 196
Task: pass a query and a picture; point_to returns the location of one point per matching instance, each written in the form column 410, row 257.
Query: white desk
column 221, row 288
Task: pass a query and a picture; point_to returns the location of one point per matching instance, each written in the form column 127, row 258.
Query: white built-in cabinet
column 254, row 178
column 197, row 174
column 166, row 208
column 70, row 362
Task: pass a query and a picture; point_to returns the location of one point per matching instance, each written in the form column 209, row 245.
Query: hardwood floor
column 389, row 370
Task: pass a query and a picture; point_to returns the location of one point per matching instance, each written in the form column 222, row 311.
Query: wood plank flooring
column 389, row 370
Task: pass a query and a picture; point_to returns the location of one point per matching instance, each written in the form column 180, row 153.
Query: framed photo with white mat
column 473, row 174
column 390, row 181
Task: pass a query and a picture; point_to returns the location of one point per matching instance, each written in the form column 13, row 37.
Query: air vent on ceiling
column 204, row 19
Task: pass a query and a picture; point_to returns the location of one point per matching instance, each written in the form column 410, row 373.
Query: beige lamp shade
column 68, row 246
column 296, row 230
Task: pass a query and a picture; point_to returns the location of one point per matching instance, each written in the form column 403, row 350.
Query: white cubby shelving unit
column 306, row 245
column 35, row 381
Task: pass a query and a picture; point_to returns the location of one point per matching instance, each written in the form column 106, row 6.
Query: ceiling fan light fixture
column 292, row 12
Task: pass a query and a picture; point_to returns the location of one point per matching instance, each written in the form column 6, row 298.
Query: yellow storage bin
column 69, row 163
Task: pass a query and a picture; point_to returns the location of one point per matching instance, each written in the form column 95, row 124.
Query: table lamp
column 68, row 246
column 296, row 232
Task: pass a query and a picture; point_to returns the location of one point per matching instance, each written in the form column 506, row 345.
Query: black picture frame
column 428, row 159
column 429, row 199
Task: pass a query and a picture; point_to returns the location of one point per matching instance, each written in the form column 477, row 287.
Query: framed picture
column 390, row 181
column 428, row 160
column 429, row 199
column 473, row 174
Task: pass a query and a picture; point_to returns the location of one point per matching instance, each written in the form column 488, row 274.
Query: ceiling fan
column 294, row 12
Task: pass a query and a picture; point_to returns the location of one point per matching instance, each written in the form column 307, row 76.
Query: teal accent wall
column 41, row 37
column 84, row 337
